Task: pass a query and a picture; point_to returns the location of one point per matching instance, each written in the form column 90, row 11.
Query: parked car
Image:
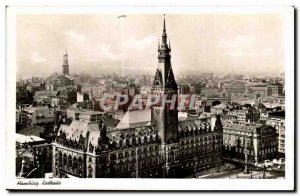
column 281, row 161
column 268, row 163
column 275, row 161
column 260, row 165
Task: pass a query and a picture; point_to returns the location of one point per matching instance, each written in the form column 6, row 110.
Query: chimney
column 79, row 88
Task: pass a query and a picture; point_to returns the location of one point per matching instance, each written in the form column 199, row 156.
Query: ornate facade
column 94, row 146
column 257, row 142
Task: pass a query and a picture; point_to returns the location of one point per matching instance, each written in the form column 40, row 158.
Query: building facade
column 277, row 120
column 257, row 142
column 32, row 115
column 246, row 115
column 275, row 89
column 256, row 89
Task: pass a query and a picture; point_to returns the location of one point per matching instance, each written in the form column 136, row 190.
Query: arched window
column 127, row 142
column 151, row 138
column 113, row 157
column 90, row 170
column 80, row 162
column 70, row 163
column 75, row 165
column 133, row 153
column 120, row 155
column 65, row 161
column 60, row 158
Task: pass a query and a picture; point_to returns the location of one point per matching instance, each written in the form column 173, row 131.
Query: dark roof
column 35, row 130
column 280, row 114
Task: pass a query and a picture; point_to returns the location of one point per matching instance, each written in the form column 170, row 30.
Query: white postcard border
column 150, row 184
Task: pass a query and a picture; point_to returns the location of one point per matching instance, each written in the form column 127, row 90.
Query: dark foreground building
column 151, row 143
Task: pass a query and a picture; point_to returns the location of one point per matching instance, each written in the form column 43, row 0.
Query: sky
column 96, row 44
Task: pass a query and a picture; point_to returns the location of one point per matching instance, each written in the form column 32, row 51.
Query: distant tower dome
column 65, row 63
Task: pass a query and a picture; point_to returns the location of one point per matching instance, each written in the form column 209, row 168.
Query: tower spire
column 164, row 34
column 164, row 28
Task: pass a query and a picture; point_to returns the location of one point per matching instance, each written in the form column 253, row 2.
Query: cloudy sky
column 95, row 43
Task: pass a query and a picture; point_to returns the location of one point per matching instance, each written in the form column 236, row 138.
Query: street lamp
column 229, row 167
column 264, row 174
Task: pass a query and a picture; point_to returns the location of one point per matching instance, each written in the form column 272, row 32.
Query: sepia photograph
column 142, row 96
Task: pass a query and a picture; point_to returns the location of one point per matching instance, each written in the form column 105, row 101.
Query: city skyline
column 95, row 43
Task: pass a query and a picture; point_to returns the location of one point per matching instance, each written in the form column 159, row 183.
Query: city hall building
column 146, row 143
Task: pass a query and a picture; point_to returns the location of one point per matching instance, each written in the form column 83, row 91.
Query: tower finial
column 164, row 22
column 66, row 51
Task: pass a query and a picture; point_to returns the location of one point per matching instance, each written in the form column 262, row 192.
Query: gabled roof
column 193, row 124
column 78, row 129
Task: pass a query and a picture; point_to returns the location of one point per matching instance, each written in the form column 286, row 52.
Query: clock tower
column 164, row 113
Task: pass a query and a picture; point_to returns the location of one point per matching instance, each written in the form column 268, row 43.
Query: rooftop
column 27, row 138
column 279, row 114
column 239, row 127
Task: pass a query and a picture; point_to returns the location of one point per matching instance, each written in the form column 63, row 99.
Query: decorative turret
column 164, row 69
column 218, row 124
column 158, row 78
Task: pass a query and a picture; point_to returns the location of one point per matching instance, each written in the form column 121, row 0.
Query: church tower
column 65, row 64
column 165, row 115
